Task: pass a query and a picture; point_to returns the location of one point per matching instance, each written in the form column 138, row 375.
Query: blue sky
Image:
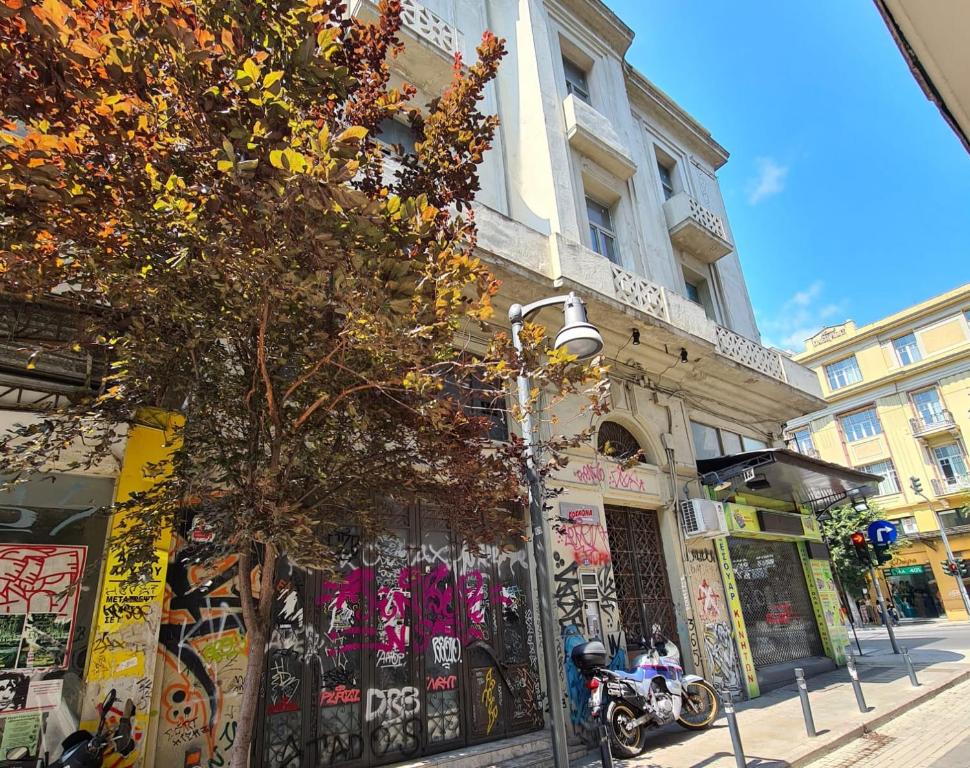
column 848, row 194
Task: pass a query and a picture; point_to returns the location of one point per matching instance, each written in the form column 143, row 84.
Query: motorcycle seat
column 636, row 676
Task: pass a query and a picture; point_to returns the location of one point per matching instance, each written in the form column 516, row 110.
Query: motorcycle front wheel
column 699, row 707
column 626, row 742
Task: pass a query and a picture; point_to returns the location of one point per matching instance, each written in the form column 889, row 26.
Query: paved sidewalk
column 934, row 735
column 772, row 729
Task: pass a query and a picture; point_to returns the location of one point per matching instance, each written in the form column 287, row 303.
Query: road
column 943, row 640
column 935, row 734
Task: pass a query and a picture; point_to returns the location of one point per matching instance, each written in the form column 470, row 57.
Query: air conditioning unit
column 703, row 518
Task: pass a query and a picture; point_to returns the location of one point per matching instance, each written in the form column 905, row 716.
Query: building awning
column 778, row 473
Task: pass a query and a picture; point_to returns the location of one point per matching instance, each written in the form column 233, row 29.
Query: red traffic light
column 857, row 539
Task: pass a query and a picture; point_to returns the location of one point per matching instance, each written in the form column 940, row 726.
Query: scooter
column 654, row 693
column 81, row 749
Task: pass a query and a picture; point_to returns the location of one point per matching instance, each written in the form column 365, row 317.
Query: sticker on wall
column 588, row 514
column 21, row 732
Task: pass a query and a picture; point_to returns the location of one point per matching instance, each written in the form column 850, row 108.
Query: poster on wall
column 39, row 587
column 21, row 731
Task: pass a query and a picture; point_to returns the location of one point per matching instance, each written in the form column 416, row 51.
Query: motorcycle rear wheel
column 625, row 743
column 700, row 706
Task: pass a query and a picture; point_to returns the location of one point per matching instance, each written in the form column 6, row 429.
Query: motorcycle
column 654, row 693
column 81, row 749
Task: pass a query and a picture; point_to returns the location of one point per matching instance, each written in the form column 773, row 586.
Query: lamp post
column 579, row 338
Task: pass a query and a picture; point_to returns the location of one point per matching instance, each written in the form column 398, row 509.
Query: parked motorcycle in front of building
column 654, row 693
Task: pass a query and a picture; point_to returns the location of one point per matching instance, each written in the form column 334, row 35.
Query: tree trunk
column 257, row 621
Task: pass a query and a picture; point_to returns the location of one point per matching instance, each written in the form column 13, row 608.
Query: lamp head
column 578, row 335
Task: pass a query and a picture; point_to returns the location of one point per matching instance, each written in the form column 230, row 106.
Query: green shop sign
column 905, row 570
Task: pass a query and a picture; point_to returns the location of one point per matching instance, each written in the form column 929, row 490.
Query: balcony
column 937, row 424
column 417, row 20
column 591, row 134
column 696, row 229
column 950, row 486
column 750, row 353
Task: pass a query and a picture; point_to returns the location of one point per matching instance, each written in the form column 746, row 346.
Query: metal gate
column 419, row 647
column 777, row 608
column 640, row 571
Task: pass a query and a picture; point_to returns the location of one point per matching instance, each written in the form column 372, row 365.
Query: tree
column 202, row 184
column 836, row 530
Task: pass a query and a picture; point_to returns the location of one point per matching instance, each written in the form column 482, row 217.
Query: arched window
column 616, row 442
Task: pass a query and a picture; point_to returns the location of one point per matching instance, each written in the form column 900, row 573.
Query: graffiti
column 40, row 579
column 530, row 639
column 339, row 695
column 695, row 648
column 339, row 747
column 590, row 474
column 624, row 481
column 224, row 650
column 442, row 683
column 402, row 738
column 513, row 600
column 709, row 602
column 390, row 658
column 393, row 705
column 353, row 618
column 701, row 556
column 283, row 683
column 283, row 742
column 576, row 683
column 338, row 676
column 223, row 746
column 588, row 543
column 489, row 699
column 447, row 651
column 725, row 671
column 568, row 598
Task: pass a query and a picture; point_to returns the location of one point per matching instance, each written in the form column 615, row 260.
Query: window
column 801, row 441
column 666, row 179
column 906, row 525
column 697, row 289
column 617, row 442
column 480, row 400
column 843, row 373
column 890, row 482
column 951, row 518
column 949, row 458
column 392, row 132
column 693, row 291
column 907, row 350
column 753, row 444
column 602, row 238
column 706, row 444
column 575, row 80
column 860, row 425
column 730, row 442
column 928, row 405
column 710, row 442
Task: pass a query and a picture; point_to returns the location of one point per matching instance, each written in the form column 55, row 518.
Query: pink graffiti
column 442, row 683
column 590, row 474
column 623, row 480
column 339, row 695
column 588, row 543
column 387, row 624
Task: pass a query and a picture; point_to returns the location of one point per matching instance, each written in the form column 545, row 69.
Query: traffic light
column 858, row 542
column 882, row 556
column 963, row 568
column 916, row 484
column 950, row 567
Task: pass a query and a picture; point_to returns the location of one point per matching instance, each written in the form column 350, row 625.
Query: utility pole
column 864, row 556
column 917, row 485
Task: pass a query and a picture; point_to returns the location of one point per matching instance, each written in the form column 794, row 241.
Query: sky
column 848, row 194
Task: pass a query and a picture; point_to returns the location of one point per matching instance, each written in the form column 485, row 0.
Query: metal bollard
column 606, row 755
column 856, row 685
column 740, row 761
column 806, row 707
column 910, row 668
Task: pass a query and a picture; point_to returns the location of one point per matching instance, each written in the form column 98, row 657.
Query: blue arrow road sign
column 882, row 532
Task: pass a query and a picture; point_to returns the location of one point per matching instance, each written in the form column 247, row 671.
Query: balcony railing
column 934, row 424
column 750, row 353
column 696, row 228
column 422, row 22
column 948, row 486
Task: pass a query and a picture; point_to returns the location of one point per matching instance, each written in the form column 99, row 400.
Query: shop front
column 775, row 568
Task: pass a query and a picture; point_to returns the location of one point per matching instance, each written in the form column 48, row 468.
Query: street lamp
column 578, row 337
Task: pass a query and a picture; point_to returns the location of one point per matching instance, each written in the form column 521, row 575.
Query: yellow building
column 898, row 394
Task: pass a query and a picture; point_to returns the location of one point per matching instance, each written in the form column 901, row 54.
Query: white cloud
column 802, row 315
column 769, row 182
